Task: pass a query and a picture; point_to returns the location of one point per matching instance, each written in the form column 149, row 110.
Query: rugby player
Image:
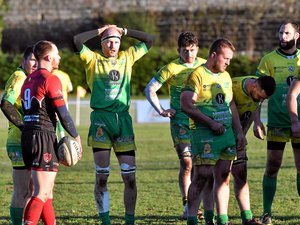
column 283, row 65
column 108, row 75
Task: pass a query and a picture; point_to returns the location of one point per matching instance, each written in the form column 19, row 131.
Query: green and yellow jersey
column 283, row 69
column 65, row 82
column 12, row 94
column 174, row 75
column 109, row 78
column 244, row 103
column 214, row 92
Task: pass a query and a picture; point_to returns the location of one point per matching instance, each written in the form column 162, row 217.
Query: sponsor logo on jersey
column 220, row 98
column 114, row 75
column 289, row 80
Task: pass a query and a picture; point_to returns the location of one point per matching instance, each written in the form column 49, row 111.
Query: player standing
column 42, row 100
column 66, row 88
column 174, row 74
column 282, row 64
column 207, row 99
column 108, row 75
column 11, row 106
column 248, row 94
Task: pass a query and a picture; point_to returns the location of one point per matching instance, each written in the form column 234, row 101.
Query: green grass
column 159, row 200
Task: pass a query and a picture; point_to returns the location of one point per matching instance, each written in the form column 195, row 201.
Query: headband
column 111, row 36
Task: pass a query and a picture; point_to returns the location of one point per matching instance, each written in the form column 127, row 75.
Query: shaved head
column 110, row 32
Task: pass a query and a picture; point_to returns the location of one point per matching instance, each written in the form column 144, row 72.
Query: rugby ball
column 69, row 152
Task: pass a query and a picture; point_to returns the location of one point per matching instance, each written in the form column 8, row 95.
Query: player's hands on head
column 259, row 130
column 168, row 113
column 103, row 28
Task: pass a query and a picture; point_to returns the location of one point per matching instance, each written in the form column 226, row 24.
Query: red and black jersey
column 41, row 95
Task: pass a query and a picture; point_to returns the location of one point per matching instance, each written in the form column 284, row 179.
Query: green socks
column 129, row 219
column 246, row 215
column 222, row 219
column 269, row 189
column 105, row 220
column 104, row 217
column 192, row 220
column 16, row 215
column 209, row 215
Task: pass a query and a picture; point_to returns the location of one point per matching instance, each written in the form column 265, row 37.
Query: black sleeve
column 80, row 39
column 11, row 114
column 142, row 36
column 66, row 120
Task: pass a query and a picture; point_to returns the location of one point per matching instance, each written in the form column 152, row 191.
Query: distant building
column 250, row 25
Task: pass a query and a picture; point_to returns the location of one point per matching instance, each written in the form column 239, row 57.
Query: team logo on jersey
column 246, row 116
column 289, row 80
column 47, row 157
column 220, row 98
column 291, row 69
column 182, row 131
column 207, row 148
column 114, row 75
column 99, row 132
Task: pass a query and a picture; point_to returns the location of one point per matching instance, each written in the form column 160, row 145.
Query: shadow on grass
column 146, row 220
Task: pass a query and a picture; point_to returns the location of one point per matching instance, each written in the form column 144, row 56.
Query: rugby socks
column 33, row 211
column 104, row 217
column 48, row 215
column 192, row 220
column 209, row 215
column 269, row 189
column 246, row 215
column 129, row 219
column 16, row 215
column 222, row 219
column 298, row 184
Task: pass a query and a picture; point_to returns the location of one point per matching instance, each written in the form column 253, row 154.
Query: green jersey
column 109, row 78
column 283, row 69
column 174, row 75
column 244, row 103
column 12, row 94
column 214, row 92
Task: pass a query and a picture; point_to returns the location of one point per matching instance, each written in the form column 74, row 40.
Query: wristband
column 124, row 31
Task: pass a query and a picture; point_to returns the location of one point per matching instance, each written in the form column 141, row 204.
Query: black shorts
column 39, row 150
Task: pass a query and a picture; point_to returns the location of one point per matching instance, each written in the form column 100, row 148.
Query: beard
column 287, row 45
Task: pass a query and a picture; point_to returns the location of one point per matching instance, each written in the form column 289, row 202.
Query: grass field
column 159, row 200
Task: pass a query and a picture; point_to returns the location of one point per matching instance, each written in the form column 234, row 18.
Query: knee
column 128, row 175
column 239, row 173
column 272, row 168
column 102, row 174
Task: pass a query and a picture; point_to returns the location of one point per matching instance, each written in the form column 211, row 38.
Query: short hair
column 220, row 43
column 28, row 51
column 295, row 25
column 186, row 39
column 267, row 83
column 42, row 48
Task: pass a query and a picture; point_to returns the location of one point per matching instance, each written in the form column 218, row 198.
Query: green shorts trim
column 278, row 134
column 180, row 132
column 111, row 130
column 14, row 152
column 208, row 148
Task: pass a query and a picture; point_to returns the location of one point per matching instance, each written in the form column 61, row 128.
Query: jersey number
column 27, row 100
